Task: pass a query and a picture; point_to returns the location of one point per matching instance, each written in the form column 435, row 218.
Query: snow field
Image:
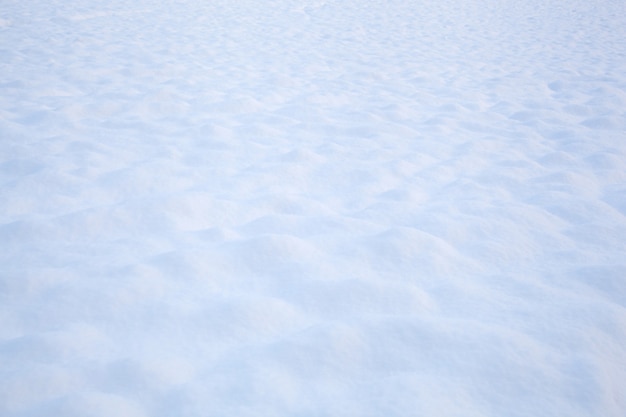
column 298, row 207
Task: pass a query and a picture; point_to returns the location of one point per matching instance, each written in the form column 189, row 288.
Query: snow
column 312, row 208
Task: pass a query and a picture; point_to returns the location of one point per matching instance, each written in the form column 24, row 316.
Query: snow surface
column 313, row 208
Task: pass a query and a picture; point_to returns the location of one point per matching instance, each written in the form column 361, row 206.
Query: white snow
column 312, row 208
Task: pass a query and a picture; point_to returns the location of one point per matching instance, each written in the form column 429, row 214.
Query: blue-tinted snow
column 312, row 208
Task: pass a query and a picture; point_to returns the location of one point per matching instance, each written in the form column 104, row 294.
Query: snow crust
column 312, row 208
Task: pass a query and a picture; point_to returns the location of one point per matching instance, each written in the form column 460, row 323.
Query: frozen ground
column 312, row 208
